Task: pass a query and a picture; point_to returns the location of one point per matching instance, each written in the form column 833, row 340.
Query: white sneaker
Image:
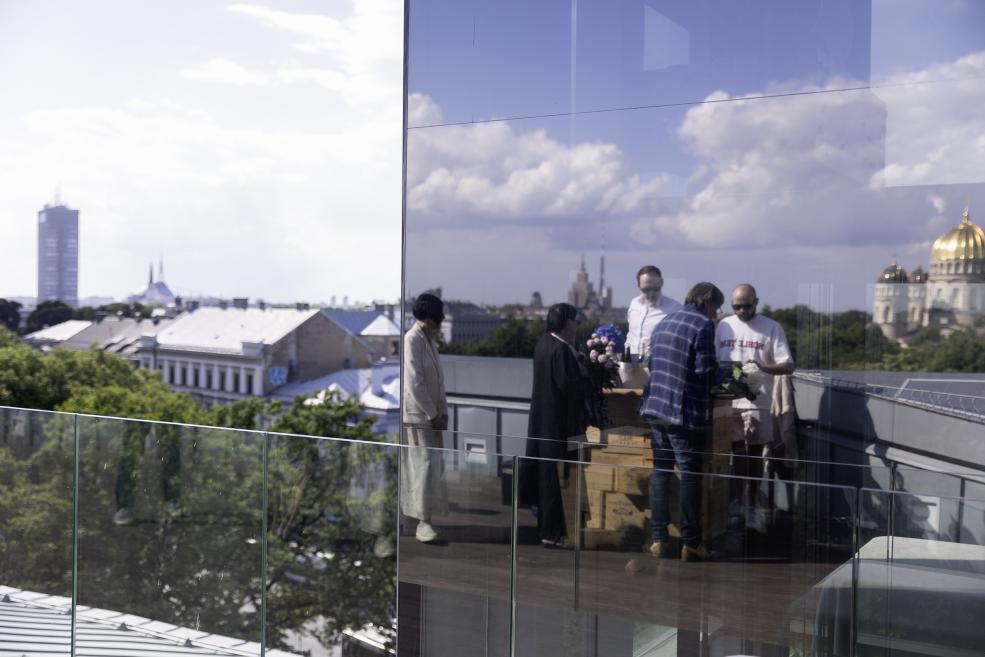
column 425, row 532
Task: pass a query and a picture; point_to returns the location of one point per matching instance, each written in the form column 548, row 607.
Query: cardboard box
column 623, row 511
column 627, row 437
column 638, row 458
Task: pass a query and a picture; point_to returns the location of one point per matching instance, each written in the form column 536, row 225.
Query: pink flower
column 603, row 358
column 604, row 339
column 589, row 343
column 594, row 355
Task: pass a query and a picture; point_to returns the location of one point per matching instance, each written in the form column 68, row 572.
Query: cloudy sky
column 799, row 146
column 256, row 147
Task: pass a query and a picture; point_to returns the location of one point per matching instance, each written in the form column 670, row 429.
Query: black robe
column 557, row 408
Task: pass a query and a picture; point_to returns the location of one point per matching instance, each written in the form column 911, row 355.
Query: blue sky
column 611, row 136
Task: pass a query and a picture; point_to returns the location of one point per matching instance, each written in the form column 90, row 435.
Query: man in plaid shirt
column 677, row 404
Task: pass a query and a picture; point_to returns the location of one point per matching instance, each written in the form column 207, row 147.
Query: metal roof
column 353, row 321
column 59, row 332
column 39, row 625
column 221, row 330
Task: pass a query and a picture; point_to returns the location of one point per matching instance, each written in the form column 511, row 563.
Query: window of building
column 208, row 378
column 184, row 375
column 235, row 381
column 171, row 378
column 249, row 384
column 195, row 377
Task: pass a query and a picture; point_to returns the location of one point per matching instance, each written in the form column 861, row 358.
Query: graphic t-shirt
column 761, row 340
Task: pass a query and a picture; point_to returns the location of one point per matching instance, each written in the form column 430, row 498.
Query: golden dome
column 966, row 241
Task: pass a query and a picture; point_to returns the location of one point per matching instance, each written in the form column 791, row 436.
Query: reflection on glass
column 37, row 457
column 331, row 545
column 169, row 528
column 455, row 590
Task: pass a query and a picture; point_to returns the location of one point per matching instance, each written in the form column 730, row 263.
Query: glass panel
column 37, row 457
column 772, row 549
column 170, row 532
column 921, row 577
column 455, row 569
column 331, row 546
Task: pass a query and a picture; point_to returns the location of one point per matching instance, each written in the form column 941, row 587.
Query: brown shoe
column 696, row 553
column 659, row 549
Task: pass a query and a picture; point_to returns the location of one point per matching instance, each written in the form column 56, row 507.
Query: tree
column 10, row 315
column 190, row 554
column 48, row 313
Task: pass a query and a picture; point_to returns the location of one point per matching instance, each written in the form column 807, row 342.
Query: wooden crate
column 631, row 481
column 623, row 511
column 595, row 501
column 598, row 477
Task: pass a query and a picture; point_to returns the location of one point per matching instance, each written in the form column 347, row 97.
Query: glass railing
column 131, row 537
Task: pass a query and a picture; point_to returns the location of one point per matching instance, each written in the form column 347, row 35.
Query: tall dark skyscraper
column 58, row 254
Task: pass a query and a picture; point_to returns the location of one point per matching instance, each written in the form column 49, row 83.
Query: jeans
column 686, row 446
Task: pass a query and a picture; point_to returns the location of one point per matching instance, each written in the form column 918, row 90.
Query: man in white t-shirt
column 646, row 311
column 747, row 337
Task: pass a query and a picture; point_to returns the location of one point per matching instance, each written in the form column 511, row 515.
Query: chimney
column 261, row 304
column 300, row 305
column 389, row 311
column 192, row 305
column 223, row 304
column 242, row 303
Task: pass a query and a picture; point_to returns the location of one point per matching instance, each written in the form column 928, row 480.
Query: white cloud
column 363, row 50
column 491, row 170
column 936, row 128
column 226, row 72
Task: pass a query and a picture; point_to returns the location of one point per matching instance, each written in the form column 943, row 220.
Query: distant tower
column 150, row 276
column 160, row 270
column 58, row 254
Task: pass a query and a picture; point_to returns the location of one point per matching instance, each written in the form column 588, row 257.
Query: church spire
column 150, row 275
column 160, row 270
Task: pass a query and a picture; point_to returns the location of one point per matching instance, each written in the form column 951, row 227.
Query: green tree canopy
column 10, row 316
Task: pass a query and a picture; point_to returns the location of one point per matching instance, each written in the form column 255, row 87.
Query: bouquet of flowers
column 602, row 355
column 738, row 381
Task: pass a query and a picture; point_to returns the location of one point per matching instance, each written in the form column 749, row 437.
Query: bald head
column 744, row 302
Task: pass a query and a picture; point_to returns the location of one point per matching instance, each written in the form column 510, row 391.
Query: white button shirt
column 643, row 317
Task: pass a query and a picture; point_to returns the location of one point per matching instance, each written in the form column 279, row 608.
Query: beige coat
column 424, row 384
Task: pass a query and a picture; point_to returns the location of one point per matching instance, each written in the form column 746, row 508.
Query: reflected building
column 951, row 295
column 58, row 254
column 583, row 295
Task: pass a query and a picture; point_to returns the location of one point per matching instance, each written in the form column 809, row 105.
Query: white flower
column 754, row 375
column 594, row 355
column 604, row 340
column 603, row 358
column 589, row 343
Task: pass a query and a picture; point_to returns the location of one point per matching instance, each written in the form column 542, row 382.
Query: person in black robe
column 557, row 412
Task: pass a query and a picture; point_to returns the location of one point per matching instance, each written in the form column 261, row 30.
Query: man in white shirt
column 747, row 337
column 646, row 311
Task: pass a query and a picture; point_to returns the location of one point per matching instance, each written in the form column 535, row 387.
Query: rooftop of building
column 366, row 323
column 225, row 330
column 59, row 332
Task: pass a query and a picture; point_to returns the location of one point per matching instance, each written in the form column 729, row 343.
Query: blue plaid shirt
column 683, row 367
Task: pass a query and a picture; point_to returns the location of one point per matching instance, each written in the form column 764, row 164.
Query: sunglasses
column 743, row 306
column 655, row 288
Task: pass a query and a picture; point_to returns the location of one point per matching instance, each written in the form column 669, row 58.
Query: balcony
column 131, row 537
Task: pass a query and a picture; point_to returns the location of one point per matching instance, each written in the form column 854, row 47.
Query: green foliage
column 48, row 313
column 191, row 555
column 928, row 351
column 10, row 316
column 514, row 338
column 842, row 340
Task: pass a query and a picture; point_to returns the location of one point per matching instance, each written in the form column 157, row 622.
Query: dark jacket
column 557, row 400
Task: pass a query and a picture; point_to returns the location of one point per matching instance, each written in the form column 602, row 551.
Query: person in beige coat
column 423, row 493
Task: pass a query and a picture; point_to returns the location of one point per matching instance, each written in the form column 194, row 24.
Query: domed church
column 951, row 295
